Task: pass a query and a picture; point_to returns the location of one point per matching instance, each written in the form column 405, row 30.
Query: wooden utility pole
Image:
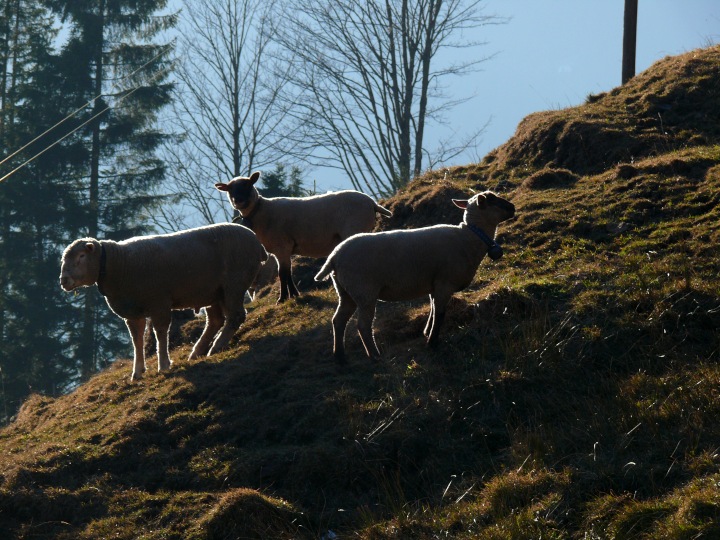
column 629, row 40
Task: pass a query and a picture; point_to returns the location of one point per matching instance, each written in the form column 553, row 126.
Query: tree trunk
column 425, row 59
column 4, row 63
column 98, row 106
column 7, row 121
column 89, row 348
column 629, row 40
column 10, row 120
column 406, row 118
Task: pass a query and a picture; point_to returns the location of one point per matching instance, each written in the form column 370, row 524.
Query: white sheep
column 405, row 264
column 267, row 275
column 147, row 277
column 310, row 226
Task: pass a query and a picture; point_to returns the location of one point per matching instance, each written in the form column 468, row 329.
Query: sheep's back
column 405, row 264
column 185, row 269
column 317, row 224
column 211, row 244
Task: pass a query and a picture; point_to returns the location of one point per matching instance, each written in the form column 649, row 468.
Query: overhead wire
column 75, row 112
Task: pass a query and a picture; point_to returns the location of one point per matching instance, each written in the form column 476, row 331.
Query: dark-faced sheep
column 310, row 226
column 401, row 265
column 147, row 277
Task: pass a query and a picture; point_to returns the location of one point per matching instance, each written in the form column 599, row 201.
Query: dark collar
column 103, row 269
column 247, row 220
column 494, row 249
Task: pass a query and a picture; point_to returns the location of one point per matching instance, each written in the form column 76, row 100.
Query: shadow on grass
column 519, row 380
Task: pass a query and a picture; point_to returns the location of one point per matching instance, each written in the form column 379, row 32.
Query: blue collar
column 494, row 249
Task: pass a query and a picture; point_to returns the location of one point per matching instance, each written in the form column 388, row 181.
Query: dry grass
column 574, row 394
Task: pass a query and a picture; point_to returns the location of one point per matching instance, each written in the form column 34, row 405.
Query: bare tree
column 629, row 40
column 369, row 82
column 228, row 110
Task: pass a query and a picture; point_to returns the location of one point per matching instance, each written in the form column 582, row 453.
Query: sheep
column 404, row 264
column 310, row 226
column 147, row 277
column 267, row 275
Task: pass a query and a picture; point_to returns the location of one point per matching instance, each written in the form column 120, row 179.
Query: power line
column 75, row 112
column 156, row 76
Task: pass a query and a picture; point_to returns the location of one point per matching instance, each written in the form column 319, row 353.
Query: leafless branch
column 230, row 106
column 367, row 79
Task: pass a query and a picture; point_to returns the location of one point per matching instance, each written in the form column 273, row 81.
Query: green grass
column 574, row 393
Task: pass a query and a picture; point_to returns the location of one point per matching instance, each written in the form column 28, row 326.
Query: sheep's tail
column 325, row 272
column 382, row 210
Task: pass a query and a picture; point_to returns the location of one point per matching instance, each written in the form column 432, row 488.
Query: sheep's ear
column 221, row 186
column 460, row 203
column 89, row 247
column 254, row 177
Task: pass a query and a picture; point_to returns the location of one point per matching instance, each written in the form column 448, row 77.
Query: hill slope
column 574, row 395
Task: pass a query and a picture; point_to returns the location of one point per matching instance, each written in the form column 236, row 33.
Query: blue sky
column 551, row 55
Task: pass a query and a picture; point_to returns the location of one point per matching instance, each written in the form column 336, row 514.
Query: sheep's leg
column 136, row 327
column 431, row 318
column 213, row 322
column 292, row 289
column 234, row 313
column 287, row 285
column 346, row 308
column 149, row 346
column 233, row 320
column 439, row 303
column 161, row 325
column 366, row 314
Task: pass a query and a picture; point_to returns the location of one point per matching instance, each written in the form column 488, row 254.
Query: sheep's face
column 486, row 209
column 241, row 191
column 80, row 264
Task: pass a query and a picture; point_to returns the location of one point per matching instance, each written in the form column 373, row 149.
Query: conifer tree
column 277, row 184
column 37, row 207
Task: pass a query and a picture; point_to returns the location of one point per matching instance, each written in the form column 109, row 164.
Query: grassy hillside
column 574, row 394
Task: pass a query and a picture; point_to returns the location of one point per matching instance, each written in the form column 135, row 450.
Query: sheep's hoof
column 374, row 357
column 340, row 358
column 136, row 376
column 195, row 354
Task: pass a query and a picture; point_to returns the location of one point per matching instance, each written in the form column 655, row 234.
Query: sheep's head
column 486, row 210
column 241, row 191
column 80, row 265
column 483, row 212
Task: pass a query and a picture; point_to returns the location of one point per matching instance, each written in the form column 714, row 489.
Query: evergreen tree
column 116, row 64
column 37, row 207
column 295, row 184
column 277, row 184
